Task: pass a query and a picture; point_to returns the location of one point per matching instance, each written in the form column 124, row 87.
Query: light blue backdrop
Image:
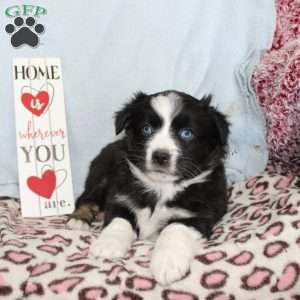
column 111, row 49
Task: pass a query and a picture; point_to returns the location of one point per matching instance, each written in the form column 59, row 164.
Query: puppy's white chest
column 151, row 224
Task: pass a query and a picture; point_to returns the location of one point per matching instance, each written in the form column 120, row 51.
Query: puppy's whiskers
column 189, row 167
column 188, row 173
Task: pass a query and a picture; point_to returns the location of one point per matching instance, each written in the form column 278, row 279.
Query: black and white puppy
column 163, row 181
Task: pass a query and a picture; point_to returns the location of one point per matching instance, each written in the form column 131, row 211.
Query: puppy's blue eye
column 147, row 130
column 186, row 134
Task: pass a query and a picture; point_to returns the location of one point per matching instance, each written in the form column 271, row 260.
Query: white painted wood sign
column 45, row 180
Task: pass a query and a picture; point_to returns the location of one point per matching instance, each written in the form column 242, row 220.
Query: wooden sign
column 45, row 180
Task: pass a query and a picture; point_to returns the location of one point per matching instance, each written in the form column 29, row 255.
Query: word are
column 55, row 204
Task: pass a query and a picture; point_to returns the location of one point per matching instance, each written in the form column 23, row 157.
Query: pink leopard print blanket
column 254, row 253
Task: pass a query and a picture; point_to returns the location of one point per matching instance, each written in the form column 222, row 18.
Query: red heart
column 44, row 186
column 36, row 104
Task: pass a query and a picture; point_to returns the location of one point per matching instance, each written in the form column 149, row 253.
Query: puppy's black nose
column 161, row 157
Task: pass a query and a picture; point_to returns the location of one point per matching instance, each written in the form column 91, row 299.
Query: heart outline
column 64, row 171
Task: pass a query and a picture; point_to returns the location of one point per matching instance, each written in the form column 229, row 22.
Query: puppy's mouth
column 155, row 174
column 159, row 170
column 159, row 175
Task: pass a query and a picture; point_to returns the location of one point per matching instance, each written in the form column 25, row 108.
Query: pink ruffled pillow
column 276, row 81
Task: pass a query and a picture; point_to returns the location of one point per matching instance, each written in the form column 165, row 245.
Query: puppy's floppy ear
column 220, row 120
column 222, row 126
column 123, row 117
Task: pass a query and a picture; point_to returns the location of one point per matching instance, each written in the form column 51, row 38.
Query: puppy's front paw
column 77, row 224
column 114, row 240
column 169, row 264
column 109, row 247
column 173, row 253
column 83, row 216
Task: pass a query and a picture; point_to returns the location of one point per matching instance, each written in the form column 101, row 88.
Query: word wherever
column 30, row 133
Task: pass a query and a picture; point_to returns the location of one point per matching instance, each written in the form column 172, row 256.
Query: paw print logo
column 24, row 32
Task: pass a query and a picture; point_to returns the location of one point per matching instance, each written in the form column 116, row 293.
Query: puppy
column 163, row 181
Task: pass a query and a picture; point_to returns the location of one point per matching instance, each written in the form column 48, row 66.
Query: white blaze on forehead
column 167, row 107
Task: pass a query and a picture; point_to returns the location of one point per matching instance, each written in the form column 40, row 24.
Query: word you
column 43, row 153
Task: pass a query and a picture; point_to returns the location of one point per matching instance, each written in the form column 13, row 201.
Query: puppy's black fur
column 110, row 175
